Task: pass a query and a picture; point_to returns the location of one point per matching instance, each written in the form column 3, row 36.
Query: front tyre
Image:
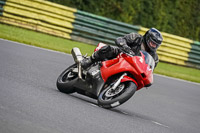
column 67, row 79
column 110, row 98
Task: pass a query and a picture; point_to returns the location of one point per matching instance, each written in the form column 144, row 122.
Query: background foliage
column 178, row 17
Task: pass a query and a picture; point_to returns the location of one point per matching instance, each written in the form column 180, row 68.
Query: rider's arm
column 131, row 39
column 156, row 59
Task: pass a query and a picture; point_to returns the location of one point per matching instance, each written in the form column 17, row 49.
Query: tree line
column 178, row 17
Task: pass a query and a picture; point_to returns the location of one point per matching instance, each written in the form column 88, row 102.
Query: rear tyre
column 67, row 79
column 109, row 98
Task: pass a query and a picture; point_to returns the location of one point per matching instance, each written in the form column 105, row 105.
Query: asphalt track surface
column 31, row 103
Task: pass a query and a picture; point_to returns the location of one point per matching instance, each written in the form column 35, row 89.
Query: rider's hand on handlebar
column 127, row 49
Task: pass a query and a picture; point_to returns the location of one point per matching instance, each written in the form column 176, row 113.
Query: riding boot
column 86, row 62
column 106, row 52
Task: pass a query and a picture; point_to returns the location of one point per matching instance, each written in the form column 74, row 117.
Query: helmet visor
column 152, row 44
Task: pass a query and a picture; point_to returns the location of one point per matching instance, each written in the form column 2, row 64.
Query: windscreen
column 149, row 60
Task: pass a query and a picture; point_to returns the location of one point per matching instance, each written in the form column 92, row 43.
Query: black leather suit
column 133, row 40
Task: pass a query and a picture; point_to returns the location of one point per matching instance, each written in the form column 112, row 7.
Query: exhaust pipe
column 76, row 53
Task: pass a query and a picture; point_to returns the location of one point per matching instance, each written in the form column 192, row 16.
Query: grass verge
column 42, row 40
column 181, row 72
column 59, row 44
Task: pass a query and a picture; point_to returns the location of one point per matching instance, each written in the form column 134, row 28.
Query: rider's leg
column 106, row 52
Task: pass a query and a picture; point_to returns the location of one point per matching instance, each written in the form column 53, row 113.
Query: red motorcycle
column 111, row 82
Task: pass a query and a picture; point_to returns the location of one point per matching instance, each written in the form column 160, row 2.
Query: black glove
column 127, row 49
column 120, row 42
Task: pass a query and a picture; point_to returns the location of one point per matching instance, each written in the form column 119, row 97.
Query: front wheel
column 67, row 79
column 110, row 98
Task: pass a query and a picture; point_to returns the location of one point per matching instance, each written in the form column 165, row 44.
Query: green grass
column 42, row 40
column 181, row 72
column 59, row 44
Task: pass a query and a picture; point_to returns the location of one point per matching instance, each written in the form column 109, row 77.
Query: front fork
column 118, row 81
column 123, row 78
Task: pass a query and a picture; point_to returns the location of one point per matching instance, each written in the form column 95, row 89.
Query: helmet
column 153, row 39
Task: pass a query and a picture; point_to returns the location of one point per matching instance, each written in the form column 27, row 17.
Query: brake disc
column 111, row 92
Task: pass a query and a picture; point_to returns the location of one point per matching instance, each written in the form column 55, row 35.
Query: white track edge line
column 37, row 47
column 177, row 79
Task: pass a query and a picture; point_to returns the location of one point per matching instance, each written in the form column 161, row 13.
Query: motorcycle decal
column 95, row 72
column 148, row 68
column 100, row 45
column 141, row 60
column 115, row 104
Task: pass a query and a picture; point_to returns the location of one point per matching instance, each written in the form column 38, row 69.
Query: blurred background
column 179, row 17
column 63, row 24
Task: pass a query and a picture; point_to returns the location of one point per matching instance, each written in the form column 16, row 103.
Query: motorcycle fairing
column 136, row 65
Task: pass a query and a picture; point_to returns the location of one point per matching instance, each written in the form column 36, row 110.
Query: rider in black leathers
column 131, row 43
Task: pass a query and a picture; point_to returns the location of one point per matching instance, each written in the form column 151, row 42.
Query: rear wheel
column 110, row 98
column 67, row 79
